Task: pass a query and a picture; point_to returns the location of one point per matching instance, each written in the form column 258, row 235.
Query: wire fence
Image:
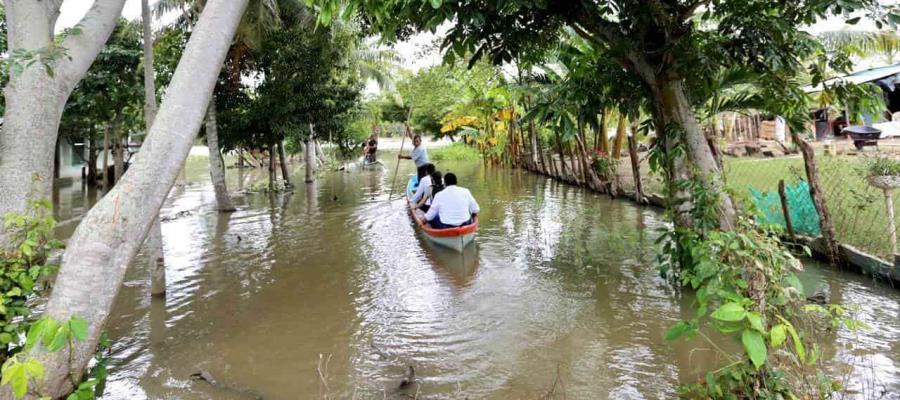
column 858, row 210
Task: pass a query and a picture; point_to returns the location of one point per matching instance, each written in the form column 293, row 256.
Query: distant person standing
column 418, row 154
column 370, row 148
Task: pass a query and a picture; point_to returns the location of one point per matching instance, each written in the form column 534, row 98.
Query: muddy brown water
column 329, row 292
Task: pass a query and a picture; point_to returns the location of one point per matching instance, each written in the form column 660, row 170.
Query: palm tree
column 883, row 44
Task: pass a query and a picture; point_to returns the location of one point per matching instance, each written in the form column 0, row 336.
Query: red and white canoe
column 453, row 238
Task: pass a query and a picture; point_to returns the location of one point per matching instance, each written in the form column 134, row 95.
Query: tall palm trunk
column 118, row 151
column 603, row 134
column 92, row 163
column 105, row 168
column 153, row 241
column 562, row 157
column 108, row 237
column 620, row 137
column 310, row 156
column 272, row 174
column 216, row 163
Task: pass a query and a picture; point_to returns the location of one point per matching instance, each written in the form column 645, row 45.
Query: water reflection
column 558, row 292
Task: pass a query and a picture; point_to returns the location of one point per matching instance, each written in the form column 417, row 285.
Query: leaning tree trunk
column 35, row 97
column 108, row 237
column 284, row 170
column 677, row 112
column 216, row 164
column 154, row 241
column 636, row 168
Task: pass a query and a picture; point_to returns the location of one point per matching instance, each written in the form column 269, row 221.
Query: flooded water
column 328, row 292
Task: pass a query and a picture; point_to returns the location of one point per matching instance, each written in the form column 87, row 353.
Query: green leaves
column 78, row 326
column 680, row 329
column 756, row 322
column 18, row 373
column 54, row 335
column 777, row 335
column 755, row 346
column 729, row 312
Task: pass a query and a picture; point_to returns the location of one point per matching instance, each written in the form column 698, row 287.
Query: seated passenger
column 452, row 207
column 437, row 184
column 424, row 183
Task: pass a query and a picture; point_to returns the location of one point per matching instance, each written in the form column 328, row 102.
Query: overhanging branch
column 82, row 48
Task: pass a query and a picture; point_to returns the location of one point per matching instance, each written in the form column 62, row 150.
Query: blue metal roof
column 864, row 76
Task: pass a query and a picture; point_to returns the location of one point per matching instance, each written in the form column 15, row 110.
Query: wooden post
column 828, row 233
column 636, row 170
column 889, row 202
column 786, row 210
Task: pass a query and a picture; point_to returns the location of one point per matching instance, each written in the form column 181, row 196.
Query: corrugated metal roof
column 864, row 76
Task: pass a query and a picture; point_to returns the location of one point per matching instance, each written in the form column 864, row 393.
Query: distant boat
column 453, row 238
column 365, row 163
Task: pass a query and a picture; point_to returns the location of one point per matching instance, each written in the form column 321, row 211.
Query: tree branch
column 688, row 12
column 96, row 26
column 658, row 9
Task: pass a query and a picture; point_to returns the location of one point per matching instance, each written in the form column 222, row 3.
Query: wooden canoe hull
column 453, row 238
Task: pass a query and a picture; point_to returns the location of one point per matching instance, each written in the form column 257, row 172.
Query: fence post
column 786, row 210
column 812, row 175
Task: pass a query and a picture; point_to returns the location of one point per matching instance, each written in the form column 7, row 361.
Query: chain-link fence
column 857, row 209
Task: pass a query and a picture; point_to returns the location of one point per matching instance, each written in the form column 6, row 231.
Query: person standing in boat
column 452, row 207
column 418, row 154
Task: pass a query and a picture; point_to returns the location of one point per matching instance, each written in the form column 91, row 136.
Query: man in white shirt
column 424, row 182
column 418, row 154
column 452, row 207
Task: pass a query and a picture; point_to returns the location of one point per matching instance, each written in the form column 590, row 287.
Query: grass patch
column 454, row 152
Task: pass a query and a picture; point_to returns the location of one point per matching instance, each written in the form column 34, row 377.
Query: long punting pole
column 402, row 142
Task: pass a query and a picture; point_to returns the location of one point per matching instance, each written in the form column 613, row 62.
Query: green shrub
column 21, row 268
column 455, row 152
column 882, row 166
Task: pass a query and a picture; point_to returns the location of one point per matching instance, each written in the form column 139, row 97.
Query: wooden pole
column 786, row 210
column 828, row 232
column 889, row 202
column 402, row 142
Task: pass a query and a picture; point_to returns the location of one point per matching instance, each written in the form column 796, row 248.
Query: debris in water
column 409, row 379
column 820, row 296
